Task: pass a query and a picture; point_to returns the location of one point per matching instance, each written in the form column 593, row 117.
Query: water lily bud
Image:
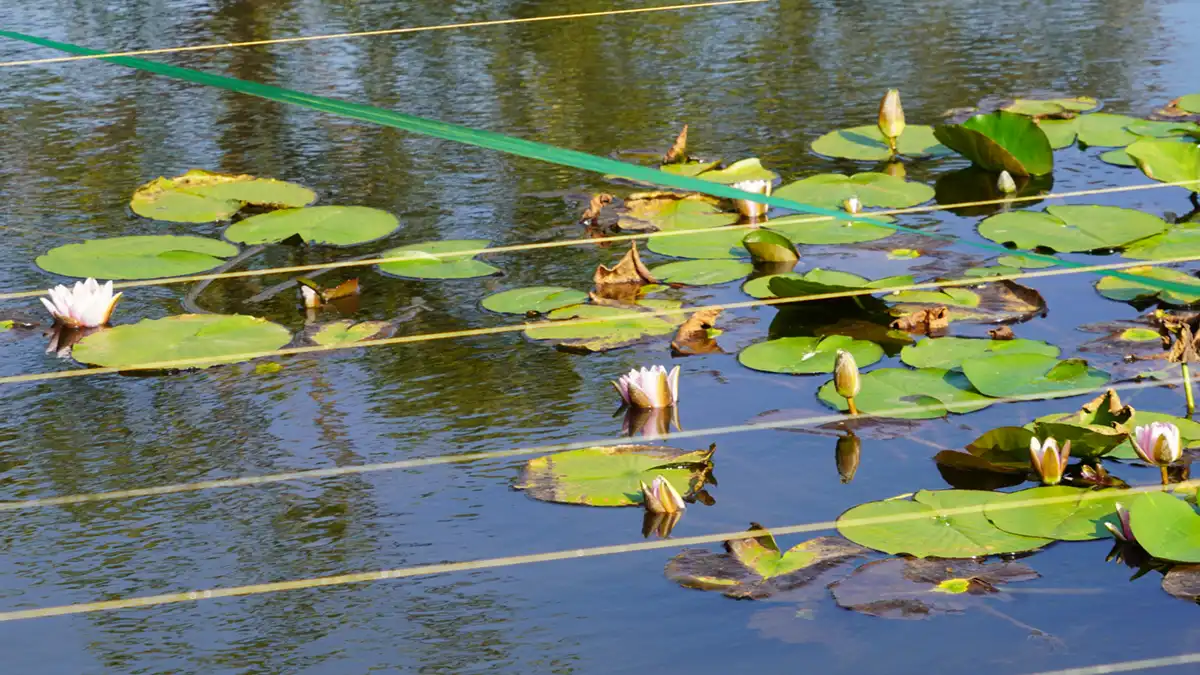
column 891, row 117
column 311, row 298
column 661, row 497
column 751, row 209
column 1158, row 443
column 847, row 454
column 852, row 205
column 649, row 387
column 1006, row 183
column 845, row 375
column 1124, row 533
column 1048, row 461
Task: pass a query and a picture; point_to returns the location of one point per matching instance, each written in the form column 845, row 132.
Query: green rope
column 540, row 151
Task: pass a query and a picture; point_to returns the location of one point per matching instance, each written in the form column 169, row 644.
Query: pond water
column 754, row 80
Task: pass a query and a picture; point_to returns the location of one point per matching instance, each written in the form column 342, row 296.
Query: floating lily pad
column 1024, row 262
column 1166, row 526
column 6, row 325
column 766, row 246
column 807, row 355
column 332, row 225
column 899, row 588
column 1051, row 106
column 743, row 169
column 1117, row 157
column 1000, row 141
column 942, row 523
column 1106, row 130
column 1072, row 228
column 1093, row 431
column 702, row 272
column 1163, row 129
column 992, row 302
column 949, row 352
column 829, row 190
column 142, row 257
column 1125, row 290
column 346, row 331
column 187, row 336
column 536, row 299
column 815, row 230
column 716, row 245
column 1189, row 103
column 1056, row 512
column 427, row 260
column 910, row 394
column 688, row 168
column 610, row 333
column 816, row 281
column 756, row 568
column 1006, row 447
column 1181, row 240
column 612, row 476
column 1167, row 161
column 1034, row 376
column 667, row 212
column 1060, row 133
column 866, row 143
column 201, row 197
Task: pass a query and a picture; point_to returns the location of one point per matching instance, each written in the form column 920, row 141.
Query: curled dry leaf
column 1185, row 346
column 622, row 281
column 678, row 152
column 591, row 216
column 1002, row 333
column 930, row 321
column 695, row 336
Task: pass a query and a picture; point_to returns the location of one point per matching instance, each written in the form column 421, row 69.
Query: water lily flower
column 661, row 497
column 1048, row 460
column 1124, row 533
column 1157, row 443
column 312, row 299
column 649, row 387
column 1006, row 183
column 845, row 378
column 86, row 305
column 751, row 209
column 852, row 205
column 891, row 118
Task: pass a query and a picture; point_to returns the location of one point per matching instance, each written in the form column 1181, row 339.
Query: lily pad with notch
column 137, row 257
column 1123, row 289
column 1167, row 161
column 664, row 211
column 615, row 326
column 721, row 244
column 829, row 190
column 1167, row 527
column 182, row 337
column 1066, row 105
column 817, row 281
column 807, row 355
column 1056, row 512
column 438, row 260
column 866, row 143
column 910, row 394
column 329, row 225
column 1031, row 376
column 533, row 299
column 702, row 272
column 347, row 331
column 612, row 475
column 950, row 352
column 827, row 231
column 200, row 196
column 1072, row 228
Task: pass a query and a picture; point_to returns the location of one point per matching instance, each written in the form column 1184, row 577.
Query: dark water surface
column 762, row 80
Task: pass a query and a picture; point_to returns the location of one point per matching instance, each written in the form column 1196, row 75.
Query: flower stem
column 853, row 408
column 1166, row 480
column 1187, row 390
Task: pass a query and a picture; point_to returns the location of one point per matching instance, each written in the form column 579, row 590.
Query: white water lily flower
column 649, row 387
column 86, row 305
column 661, row 497
column 1048, row 461
column 1158, row 443
column 311, row 298
column 852, row 205
column 749, row 208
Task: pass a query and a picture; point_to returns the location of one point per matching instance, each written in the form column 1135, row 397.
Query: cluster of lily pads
column 846, row 319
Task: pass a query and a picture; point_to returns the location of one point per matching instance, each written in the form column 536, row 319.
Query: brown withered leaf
column 1184, row 349
column 678, row 152
column 622, row 281
column 345, row 289
column 693, row 336
column 1002, row 333
column 591, row 216
column 929, row 321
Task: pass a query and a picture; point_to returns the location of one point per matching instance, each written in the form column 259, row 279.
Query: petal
column 673, row 381
column 639, row 398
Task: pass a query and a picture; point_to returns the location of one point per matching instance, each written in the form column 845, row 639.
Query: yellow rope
column 510, row 561
column 295, row 269
column 374, row 33
column 314, row 474
column 1127, row 666
column 512, row 328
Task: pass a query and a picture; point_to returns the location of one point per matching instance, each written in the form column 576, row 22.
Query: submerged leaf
column 900, row 588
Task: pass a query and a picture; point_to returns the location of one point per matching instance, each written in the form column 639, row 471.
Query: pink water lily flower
column 86, row 305
column 1158, row 443
column 649, row 387
column 1048, row 460
column 662, row 497
column 1124, row 533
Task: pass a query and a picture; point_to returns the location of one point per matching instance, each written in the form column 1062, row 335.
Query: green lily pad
column 1094, row 430
column 807, row 355
column 702, row 272
column 996, row 271
column 743, row 169
column 910, row 394
column 609, row 334
column 815, row 230
column 1051, row 106
column 1024, row 262
column 1075, row 514
column 669, row 212
column 1006, row 447
column 1141, row 335
column 949, row 296
column 756, row 568
column 1181, row 240
column 1106, row 130
column 1060, row 133
column 612, row 475
column 688, row 168
column 904, row 588
column 816, row 281
column 332, row 225
column 6, row 325
column 1167, row 161
column 187, row 336
column 427, row 260
column 1189, row 431
column 1166, row 526
column 769, row 247
column 1034, row 376
column 201, row 196
column 1000, row 141
column 1124, row 290
column 1069, row 229
column 346, row 331
column 1117, row 157
column 1163, row 129
column 930, row 526
column 141, row 257
column 991, row 302
column 949, row 353
column 866, row 143
column 536, row 299
column 1189, row 103
column 829, row 190
column 716, row 245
